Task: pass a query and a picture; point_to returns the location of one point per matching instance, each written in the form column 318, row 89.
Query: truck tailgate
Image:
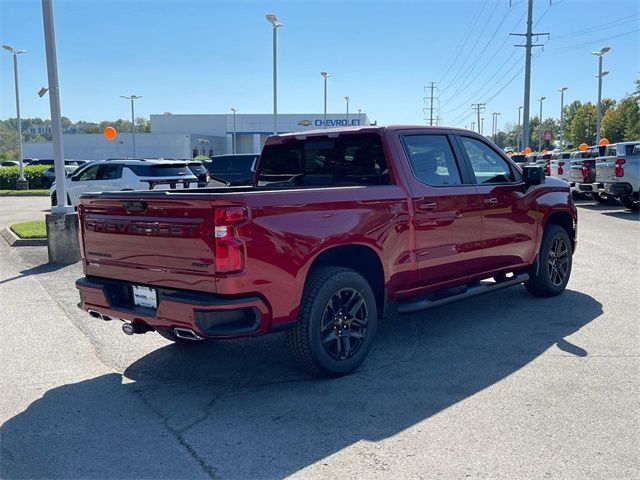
column 149, row 240
column 605, row 169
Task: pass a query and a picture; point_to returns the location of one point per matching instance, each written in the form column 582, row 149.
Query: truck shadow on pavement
column 241, row 410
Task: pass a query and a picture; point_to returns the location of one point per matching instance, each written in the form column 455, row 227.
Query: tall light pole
column 495, row 125
column 359, row 119
column 561, row 90
column 600, row 74
column 347, row 100
column 541, row 99
column 325, row 75
column 133, row 122
column 21, row 180
column 234, row 110
column 273, row 20
column 520, row 142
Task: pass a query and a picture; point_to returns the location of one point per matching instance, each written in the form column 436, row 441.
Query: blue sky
column 206, row 56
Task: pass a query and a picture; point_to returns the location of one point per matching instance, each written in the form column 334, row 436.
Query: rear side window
column 236, row 163
column 351, row 159
column 487, row 165
column 431, row 159
column 160, row 170
column 89, row 174
column 628, row 149
column 109, row 172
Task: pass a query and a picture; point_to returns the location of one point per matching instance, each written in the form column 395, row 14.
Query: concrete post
column 63, row 243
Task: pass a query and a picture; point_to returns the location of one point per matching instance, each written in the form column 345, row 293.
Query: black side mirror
column 533, row 175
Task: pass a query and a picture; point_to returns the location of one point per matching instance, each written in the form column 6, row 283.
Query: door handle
column 427, row 206
column 491, row 201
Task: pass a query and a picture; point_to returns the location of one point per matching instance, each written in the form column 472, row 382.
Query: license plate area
column 144, row 296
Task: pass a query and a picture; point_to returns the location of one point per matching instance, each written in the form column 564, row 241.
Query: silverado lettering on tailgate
column 140, row 228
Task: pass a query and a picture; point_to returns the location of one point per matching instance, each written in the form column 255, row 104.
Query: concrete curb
column 15, row 241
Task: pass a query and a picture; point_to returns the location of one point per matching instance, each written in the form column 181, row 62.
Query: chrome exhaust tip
column 128, row 328
column 187, row 334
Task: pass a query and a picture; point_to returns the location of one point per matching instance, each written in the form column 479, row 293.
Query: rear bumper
column 209, row 315
column 618, row 188
column 591, row 187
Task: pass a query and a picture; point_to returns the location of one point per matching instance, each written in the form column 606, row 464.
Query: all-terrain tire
column 554, row 263
column 317, row 341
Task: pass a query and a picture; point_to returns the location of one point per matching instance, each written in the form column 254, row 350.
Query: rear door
column 509, row 218
column 448, row 212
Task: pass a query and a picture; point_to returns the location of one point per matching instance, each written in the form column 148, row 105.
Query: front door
column 509, row 218
column 447, row 212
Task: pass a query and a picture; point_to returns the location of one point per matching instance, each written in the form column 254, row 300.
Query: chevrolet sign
column 305, row 123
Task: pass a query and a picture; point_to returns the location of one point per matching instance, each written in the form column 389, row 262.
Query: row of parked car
column 122, row 174
column 604, row 172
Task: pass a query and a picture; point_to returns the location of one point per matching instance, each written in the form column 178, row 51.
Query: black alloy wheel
column 558, row 262
column 344, row 324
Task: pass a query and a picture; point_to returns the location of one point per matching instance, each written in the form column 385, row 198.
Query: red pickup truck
column 339, row 227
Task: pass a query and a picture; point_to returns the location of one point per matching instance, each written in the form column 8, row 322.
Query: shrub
column 33, row 174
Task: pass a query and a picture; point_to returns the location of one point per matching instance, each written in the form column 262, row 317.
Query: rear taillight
column 560, row 169
column 585, row 169
column 547, row 168
column 619, row 172
column 228, row 249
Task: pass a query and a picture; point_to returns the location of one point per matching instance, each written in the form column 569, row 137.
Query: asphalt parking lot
column 500, row 386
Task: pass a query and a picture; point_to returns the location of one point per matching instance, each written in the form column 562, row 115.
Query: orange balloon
column 603, row 141
column 109, row 133
column 583, row 147
column 527, row 150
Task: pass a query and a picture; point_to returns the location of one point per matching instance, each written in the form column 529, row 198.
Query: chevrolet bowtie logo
column 305, row 123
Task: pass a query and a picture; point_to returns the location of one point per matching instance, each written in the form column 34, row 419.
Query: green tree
column 629, row 108
column 583, row 125
column 612, row 126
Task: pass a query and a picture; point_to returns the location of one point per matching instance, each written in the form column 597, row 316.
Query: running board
column 417, row 305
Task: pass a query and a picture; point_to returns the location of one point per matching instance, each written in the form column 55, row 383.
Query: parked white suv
column 126, row 174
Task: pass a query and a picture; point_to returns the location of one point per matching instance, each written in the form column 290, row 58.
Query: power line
column 456, row 75
column 490, row 61
column 567, row 48
column 463, row 86
column 595, row 28
column 460, row 48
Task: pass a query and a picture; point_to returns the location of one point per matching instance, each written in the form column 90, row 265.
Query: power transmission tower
column 479, row 108
column 430, row 98
column 527, row 70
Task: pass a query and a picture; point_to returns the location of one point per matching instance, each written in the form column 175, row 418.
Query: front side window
column 89, row 174
column 487, row 165
column 431, row 159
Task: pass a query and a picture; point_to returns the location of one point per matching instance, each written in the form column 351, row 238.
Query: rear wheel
column 631, row 202
column 336, row 324
column 554, row 263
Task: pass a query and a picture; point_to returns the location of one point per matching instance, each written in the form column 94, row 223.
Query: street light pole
column 359, row 119
column 561, row 90
column 133, row 123
column 273, row 20
column 15, row 53
column 601, row 74
column 234, row 129
column 540, row 142
column 325, row 75
column 347, row 100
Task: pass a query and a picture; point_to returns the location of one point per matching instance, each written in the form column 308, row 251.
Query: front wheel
column 336, row 324
column 554, row 263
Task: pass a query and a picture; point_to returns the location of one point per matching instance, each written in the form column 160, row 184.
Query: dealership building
column 189, row 135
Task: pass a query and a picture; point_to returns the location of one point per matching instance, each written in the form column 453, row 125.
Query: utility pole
column 432, row 86
column 479, row 108
column 473, row 126
column 541, row 99
column 495, row 125
column 527, row 70
column 520, row 147
column 561, row 90
column 482, row 126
